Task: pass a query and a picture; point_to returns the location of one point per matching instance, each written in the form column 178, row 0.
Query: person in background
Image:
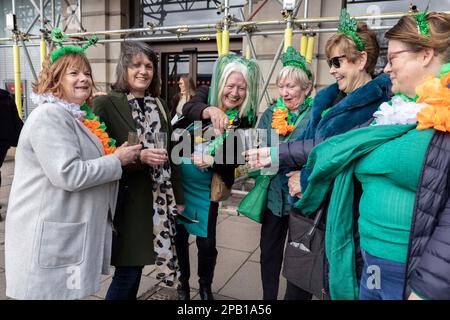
column 187, row 91
column 10, row 126
column 150, row 193
column 63, row 196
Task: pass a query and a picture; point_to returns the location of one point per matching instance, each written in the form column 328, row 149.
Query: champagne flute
column 160, row 140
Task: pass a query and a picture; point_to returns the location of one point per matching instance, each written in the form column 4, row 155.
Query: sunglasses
column 335, row 62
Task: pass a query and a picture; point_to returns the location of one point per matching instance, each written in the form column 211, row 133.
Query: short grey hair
column 128, row 51
column 298, row 75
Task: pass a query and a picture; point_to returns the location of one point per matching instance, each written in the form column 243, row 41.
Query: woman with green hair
column 229, row 104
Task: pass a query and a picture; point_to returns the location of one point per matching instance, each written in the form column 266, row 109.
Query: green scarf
column 332, row 164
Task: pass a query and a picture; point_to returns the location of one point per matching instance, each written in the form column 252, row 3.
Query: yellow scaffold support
column 310, row 49
column 303, row 45
column 43, row 50
column 17, row 85
column 287, row 38
column 225, row 42
column 248, row 54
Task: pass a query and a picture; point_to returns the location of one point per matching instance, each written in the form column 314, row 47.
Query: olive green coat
column 133, row 221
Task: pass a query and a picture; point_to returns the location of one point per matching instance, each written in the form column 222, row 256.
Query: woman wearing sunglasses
column 394, row 175
column 340, row 107
column 349, row 103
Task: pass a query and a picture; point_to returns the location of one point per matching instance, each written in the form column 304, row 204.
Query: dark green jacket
column 133, row 221
column 277, row 197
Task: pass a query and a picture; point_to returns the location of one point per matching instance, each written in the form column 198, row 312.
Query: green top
column 389, row 176
column 332, row 166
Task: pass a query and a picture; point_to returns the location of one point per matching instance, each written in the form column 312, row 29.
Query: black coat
column 192, row 111
column 10, row 123
column 428, row 260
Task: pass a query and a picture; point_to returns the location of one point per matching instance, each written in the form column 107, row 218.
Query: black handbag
column 304, row 253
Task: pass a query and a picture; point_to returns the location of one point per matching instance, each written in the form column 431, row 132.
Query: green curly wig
column 223, row 67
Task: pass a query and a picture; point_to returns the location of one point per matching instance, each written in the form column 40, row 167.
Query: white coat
column 58, row 228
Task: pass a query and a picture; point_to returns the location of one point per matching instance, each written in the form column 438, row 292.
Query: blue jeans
column 381, row 279
column 125, row 283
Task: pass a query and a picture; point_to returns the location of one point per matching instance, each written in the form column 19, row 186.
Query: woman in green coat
column 149, row 194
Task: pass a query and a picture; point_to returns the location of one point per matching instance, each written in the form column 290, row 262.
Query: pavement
column 237, row 275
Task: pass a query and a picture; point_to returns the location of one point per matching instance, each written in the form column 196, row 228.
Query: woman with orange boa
column 63, row 197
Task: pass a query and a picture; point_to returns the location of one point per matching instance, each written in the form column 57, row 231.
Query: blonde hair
column 348, row 46
column 230, row 68
column 52, row 73
column 439, row 27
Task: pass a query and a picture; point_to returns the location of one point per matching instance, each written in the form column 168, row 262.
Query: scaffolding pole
column 253, row 52
column 226, row 29
column 180, row 31
column 16, row 62
column 232, row 26
column 27, row 55
column 43, row 50
column 204, row 36
column 275, row 60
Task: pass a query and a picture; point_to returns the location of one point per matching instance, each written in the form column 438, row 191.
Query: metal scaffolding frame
column 228, row 27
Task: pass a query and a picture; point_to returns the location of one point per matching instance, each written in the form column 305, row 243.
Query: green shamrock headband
column 348, row 26
column 293, row 58
column 422, row 24
column 58, row 36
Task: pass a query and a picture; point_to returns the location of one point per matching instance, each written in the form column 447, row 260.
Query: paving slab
column 2, row 257
column 238, row 235
column 242, row 219
column 216, row 296
column 146, row 284
column 246, row 284
column 92, row 298
column 2, row 286
column 256, row 256
column 228, row 262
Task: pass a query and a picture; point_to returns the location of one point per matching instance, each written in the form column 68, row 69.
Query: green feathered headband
column 349, row 26
column 58, row 36
column 223, row 67
column 422, row 24
column 293, row 58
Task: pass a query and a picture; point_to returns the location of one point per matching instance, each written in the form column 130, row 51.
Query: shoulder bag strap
column 161, row 108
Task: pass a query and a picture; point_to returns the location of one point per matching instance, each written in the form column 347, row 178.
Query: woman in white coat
column 58, row 223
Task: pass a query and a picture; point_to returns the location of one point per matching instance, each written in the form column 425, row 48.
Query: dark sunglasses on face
column 335, row 62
